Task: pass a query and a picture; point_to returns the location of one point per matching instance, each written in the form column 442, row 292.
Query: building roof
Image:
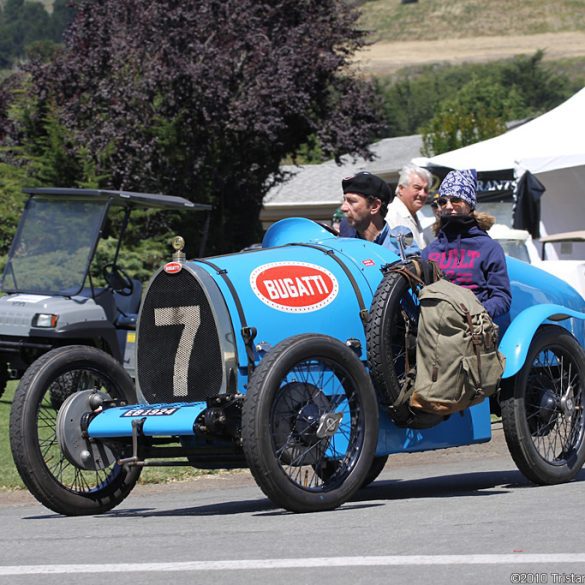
column 320, row 184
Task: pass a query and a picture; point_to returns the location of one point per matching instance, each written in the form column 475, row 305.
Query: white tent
column 552, row 147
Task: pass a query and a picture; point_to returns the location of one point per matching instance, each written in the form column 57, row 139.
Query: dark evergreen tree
column 21, row 23
column 61, row 18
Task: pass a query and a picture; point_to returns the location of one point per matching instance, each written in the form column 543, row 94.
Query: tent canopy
column 550, row 142
column 551, row 147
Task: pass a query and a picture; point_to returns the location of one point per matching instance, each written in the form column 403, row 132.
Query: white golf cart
column 51, row 297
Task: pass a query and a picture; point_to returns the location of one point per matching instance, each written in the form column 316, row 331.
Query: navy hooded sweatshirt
column 469, row 257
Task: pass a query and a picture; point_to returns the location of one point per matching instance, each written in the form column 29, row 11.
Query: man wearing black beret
column 365, row 202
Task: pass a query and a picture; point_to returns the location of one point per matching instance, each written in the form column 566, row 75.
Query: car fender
column 518, row 337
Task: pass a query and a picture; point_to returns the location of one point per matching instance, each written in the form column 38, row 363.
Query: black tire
column 47, row 473
column 3, row 377
column 326, row 471
column 394, row 308
column 391, row 338
column 375, row 469
column 543, row 409
column 304, row 385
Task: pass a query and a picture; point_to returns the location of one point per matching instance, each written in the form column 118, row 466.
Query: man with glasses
column 464, row 251
column 411, row 195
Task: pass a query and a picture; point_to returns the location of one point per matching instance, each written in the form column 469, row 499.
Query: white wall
column 562, row 207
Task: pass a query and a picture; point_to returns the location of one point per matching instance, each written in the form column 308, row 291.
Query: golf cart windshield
column 53, row 246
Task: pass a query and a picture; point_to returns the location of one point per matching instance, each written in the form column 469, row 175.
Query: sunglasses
column 442, row 201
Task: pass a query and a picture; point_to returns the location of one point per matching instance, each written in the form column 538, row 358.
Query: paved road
column 463, row 515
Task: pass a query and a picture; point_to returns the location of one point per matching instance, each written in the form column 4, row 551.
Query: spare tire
column 391, row 337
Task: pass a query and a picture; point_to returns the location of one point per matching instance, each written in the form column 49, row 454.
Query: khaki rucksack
column 457, row 359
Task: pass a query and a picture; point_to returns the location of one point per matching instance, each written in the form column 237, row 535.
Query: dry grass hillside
column 455, row 31
column 427, row 20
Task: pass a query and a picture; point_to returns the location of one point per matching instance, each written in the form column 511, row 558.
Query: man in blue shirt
column 365, row 202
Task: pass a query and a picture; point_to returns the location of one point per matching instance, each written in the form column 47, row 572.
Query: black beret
column 366, row 184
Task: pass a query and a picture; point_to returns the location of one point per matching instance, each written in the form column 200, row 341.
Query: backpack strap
column 405, row 416
column 476, row 341
column 413, row 277
column 418, row 272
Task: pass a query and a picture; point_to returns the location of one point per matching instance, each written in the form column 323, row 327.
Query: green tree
column 541, row 87
column 23, row 24
column 11, row 202
column 36, row 149
column 478, row 111
column 61, row 17
column 413, row 97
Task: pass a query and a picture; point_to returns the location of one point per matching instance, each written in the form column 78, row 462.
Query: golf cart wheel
column 3, row 377
column 310, row 406
column 47, row 472
column 542, row 409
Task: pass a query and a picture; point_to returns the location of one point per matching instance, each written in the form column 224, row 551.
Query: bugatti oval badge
column 173, row 267
column 294, row 287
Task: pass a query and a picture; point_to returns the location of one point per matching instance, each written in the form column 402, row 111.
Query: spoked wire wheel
column 543, row 409
column 310, row 423
column 68, row 383
column 52, row 477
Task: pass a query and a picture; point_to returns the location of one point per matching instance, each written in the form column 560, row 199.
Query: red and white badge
column 173, row 267
column 294, row 287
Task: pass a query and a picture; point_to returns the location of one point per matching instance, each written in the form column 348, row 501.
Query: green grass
column 9, row 478
column 449, row 19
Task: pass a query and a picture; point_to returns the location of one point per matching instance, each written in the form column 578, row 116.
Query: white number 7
column 190, row 319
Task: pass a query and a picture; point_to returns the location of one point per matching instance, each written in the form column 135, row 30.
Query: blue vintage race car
column 286, row 359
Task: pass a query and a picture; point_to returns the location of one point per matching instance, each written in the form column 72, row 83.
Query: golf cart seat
column 127, row 306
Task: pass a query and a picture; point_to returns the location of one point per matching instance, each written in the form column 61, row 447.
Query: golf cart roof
column 500, row 231
column 578, row 236
column 122, row 198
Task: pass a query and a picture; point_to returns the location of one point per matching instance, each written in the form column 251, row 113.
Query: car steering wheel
column 118, row 279
column 329, row 228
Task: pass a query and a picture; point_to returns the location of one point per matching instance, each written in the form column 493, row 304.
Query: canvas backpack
column 457, row 359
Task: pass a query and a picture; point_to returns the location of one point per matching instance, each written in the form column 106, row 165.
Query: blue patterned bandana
column 461, row 184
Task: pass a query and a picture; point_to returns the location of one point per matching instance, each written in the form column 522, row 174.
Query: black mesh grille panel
column 179, row 356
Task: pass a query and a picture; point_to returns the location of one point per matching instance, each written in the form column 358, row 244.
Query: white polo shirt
column 398, row 214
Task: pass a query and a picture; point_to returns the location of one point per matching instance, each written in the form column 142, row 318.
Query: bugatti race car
column 286, row 359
